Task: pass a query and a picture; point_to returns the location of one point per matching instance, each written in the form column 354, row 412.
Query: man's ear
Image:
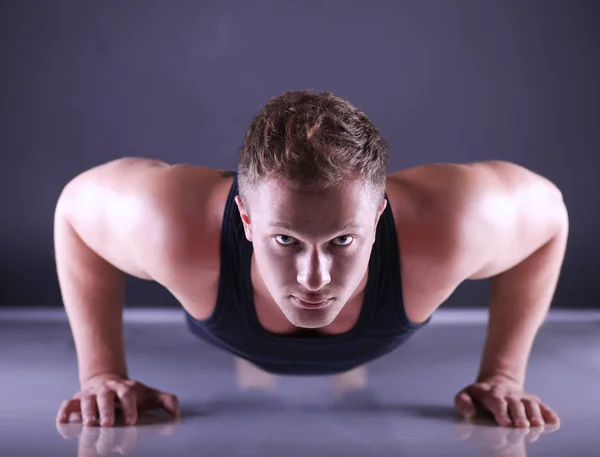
column 384, row 204
column 245, row 218
column 379, row 213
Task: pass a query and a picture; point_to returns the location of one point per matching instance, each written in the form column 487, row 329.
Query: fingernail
column 467, row 413
column 90, row 419
column 106, row 420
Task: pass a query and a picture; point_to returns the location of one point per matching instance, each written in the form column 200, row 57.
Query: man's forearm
column 92, row 292
column 519, row 302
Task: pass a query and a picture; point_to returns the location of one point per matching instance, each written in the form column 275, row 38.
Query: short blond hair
column 312, row 140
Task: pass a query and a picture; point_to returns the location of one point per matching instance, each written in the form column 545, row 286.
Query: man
column 310, row 259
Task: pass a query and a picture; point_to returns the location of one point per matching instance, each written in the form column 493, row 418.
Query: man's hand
column 103, row 395
column 506, row 401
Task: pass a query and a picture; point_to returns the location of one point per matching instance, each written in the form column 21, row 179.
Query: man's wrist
column 500, row 376
column 104, row 375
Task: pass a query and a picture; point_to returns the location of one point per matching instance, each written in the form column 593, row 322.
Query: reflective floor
column 401, row 404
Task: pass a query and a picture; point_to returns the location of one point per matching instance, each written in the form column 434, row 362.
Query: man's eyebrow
column 286, row 226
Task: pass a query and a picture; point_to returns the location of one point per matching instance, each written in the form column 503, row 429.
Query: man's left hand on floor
column 506, row 401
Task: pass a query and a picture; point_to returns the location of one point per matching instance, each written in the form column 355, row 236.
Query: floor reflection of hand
column 99, row 441
column 501, row 441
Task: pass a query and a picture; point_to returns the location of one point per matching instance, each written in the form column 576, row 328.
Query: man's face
column 311, row 246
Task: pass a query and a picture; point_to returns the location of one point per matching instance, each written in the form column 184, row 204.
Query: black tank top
column 382, row 325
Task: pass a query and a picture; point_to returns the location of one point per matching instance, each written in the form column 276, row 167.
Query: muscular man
column 310, row 259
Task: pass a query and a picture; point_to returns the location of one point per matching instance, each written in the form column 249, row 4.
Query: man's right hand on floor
column 103, row 395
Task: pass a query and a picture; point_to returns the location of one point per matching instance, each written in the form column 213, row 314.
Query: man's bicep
column 109, row 208
column 514, row 214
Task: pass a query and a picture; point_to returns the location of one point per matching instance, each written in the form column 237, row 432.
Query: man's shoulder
column 443, row 196
column 188, row 201
column 430, row 205
column 443, row 211
column 438, row 209
column 426, row 198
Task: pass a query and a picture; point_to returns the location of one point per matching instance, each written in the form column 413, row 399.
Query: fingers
column 521, row 410
column 89, row 409
column 531, row 412
column 88, row 406
column 534, row 412
column 98, row 403
column 517, row 412
column 106, row 408
column 549, row 415
column 464, row 405
column 499, row 408
column 128, row 399
column 67, row 408
column 495, row 402
column 169, row 403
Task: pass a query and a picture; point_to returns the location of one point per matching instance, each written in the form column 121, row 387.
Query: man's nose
column 313, row 273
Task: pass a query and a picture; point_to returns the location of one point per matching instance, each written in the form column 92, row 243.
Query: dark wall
column 83, row 83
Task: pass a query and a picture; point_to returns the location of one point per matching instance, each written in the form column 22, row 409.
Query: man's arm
column 522, row 237
column 98, row 216
column 100, row 225
column 516, row 234
column 519, row 301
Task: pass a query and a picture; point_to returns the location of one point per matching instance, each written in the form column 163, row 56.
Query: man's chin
column 309, row 318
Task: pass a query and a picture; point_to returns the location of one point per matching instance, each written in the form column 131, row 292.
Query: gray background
column 86, row 82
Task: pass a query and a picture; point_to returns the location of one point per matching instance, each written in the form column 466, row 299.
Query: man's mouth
column 311, row 304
